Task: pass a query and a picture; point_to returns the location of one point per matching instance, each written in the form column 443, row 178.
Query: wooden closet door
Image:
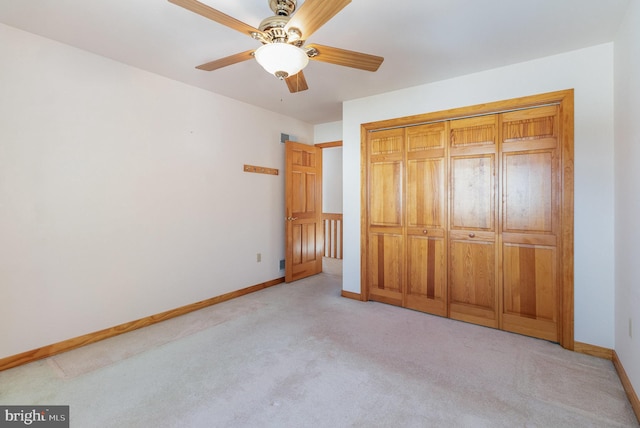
column 473, row 292
column 426, row 218
column 386, row 254
column 531, row 222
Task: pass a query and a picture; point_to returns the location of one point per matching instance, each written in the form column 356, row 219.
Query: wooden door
column 473, row 211
column 531, row 222
column 426, row 178
column 385, row 257
column 473, row 281
column 303, row 211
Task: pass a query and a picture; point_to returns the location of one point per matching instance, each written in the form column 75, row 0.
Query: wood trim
column 566, row 333
column 626, row 384
column 364, row 211
column 593, row 350
column 76, row 342
column 611, row 355
column 329, row 144
column 350, row 295
column 475, row 110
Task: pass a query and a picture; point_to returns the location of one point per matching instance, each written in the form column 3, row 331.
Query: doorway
column 313, row 189
column 332, row 206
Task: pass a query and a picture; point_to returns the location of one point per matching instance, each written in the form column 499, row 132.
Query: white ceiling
column 422, row 41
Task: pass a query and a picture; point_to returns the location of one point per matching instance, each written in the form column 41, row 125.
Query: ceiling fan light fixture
column 281, row 59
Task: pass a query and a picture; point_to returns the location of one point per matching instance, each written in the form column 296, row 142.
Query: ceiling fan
column 283, row 51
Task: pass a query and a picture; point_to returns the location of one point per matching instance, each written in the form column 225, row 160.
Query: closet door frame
column 565, row 101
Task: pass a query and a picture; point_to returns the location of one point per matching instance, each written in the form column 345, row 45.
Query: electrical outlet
column 259, row 257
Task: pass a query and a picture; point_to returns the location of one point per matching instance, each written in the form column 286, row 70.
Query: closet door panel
column 386, row 255
column 472, row 192
column 529, row 281
column 473, row 293
column 426, row 249
column 386, row 194
column 386, row 178
column 528, row 192
column 426, row 193
column 426, row 176
column 531, row 222
column 386, row 267
column 530, row 286
column 472, row 282
column 530, row 125
column 473, row 132
column 426, row 274
column 426, row 202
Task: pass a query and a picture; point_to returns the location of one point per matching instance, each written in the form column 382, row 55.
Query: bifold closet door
column 386, row 254
column 468, row 214
column 531, row 222
column 426, row 201
column 473, row 287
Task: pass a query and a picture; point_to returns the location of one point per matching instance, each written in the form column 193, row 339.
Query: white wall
column 331, row 166
column 590, row 72
column 332, row 180
column 627, row 189
column 122, row 193
column 327, row 132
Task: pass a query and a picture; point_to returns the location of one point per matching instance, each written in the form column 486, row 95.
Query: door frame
column 565, row 101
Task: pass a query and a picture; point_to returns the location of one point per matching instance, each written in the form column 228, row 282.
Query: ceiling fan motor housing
column 274, row 27
column 283, row 7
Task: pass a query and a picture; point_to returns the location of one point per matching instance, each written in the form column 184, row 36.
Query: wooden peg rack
column 260, row 170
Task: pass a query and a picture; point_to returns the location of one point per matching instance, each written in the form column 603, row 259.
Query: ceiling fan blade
column 297, row 83
column 346, row 58
column 229, row 60
column 215, row 15
column 313, row 14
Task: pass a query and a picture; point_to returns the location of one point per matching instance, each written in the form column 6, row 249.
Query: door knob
column 471, row 235
column 425, row 231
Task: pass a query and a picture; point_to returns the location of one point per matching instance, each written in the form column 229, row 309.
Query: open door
column 303, row 211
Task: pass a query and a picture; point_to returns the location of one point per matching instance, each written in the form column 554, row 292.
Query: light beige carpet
column 299, row 355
